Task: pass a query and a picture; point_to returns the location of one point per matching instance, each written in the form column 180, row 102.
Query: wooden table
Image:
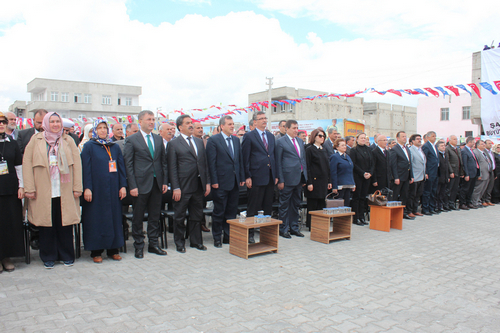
column 384, row 218
column 320, row 226
column 238, row 237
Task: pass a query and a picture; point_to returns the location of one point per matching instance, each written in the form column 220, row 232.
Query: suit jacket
column 328, row 145
column 141, row 167
column 454, row 160
column 184, row 166
column 469, row 163
column 432, row 159
column 484, row 164
column 341, row 170
column 290, row 166
column 418, row 164
column 257, row 160
column 24, row 137
column 318, row 171
column 224, row 169
column 382, row 173
column 443, row 170
column 121, row 144
column 400, row 165
column 362, row 158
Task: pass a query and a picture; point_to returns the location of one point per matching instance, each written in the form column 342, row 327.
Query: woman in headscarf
column 11, row 193
column 104, row 181
column 87, row 134
column 52, row 175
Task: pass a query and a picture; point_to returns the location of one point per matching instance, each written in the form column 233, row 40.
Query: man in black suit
column 349, row 141
column 375, row 140
column 260, row 168
column 471, row 172
column 328, row 144
column 225, row 163
column 147, row 177
column 24, row 136
column 190, row 182
column 429, row 197
column 455, row 164
column 402, row 173
column 382, row 175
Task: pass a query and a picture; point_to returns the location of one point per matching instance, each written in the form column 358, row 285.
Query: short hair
column 375, row 136
column 391, row 141
column 314, row 134
column 469, row 139
column 250, row 123
column 488, row 140
column 145, row 112
column 222, row 120
column 337, row 142
column 180, row 120
column 478, row 142
column 160, row 127
column 291, row 122
column 258, row 113
column 330, row 130
column 349, row 138
column 41, row 112
column 440, row 142
column 281, row 122
column 424, row 137
column 129, row 126
column 430, row 133
column 399, row 133
column 414, row 137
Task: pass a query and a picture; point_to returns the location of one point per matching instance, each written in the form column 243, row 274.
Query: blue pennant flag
column 488, row 87
column 444, row 92
column 421, row 91
column 461, row 86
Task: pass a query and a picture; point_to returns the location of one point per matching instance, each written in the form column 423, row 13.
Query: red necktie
column 265, row 140
column 297, row 149
column 475, row 159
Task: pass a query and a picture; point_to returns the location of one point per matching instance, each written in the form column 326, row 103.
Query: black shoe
column 200, row 247
column 285, row 234
column 139, row 253
column 358, row 222
column 157, row 250
column 225, row 240
column 181, row 249
column 471, row 206
column 406, row 217
column 446, row 209
column 218, row 244
column 427, row 213
column 251, row 240
column 463, row 207
column 452, row 208
column 35, row 244
column 298, row 233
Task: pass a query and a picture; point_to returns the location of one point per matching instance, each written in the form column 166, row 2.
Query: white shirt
column 294, row 143
column 150, row 138
column 260, row 135
column 382, row 149
column 190, row 142
column 492, row 157
column 227, row 143
column 404, row 150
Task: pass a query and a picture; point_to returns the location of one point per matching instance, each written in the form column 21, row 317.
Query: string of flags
column 257, row 106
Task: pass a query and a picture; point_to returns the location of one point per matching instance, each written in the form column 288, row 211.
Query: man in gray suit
column 147, row 176
column 130, row 129
column 485, row 168
column 292, row 174
column 418, row 165
column 328, row 144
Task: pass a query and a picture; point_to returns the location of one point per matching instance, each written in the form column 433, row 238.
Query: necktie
column 230, row 147
column 385, row 153
column 487, row 160
column 298, row 153
column 191, row 144
column 475, row 159
column 150, row 146
column 265, row 140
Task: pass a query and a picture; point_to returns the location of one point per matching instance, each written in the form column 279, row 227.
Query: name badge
column 4, row 168
column 112, row 166
column 52, row 160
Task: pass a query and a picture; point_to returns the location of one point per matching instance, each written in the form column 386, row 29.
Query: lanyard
column 109, row 152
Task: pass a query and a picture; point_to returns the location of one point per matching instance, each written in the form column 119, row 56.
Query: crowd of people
column 65, row 179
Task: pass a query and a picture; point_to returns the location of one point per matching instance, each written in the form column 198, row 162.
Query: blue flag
column 488, row 87
column 421, row 91
column 444, row 92
column 461, row 86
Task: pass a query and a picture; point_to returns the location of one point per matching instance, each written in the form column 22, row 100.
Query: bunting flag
column 420, row 91
column 395, row 92
column 444, row 92
column 434, row 92
column 497, row 84
column 129, row 119
column 475, row 88
column 115, row 119
column 488, row 87
column 453, row 90
column 461, row 86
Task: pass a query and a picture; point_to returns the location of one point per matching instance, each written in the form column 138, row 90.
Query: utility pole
column 270, row 84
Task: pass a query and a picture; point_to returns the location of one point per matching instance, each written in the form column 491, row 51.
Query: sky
column 191, row 54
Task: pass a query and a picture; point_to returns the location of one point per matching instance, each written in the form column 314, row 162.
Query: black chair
column 27, row 238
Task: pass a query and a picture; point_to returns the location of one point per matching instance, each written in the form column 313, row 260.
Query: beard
column 11, row 127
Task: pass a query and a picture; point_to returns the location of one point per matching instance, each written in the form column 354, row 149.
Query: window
column 106, row 99
column 78, row 98
column 128, row 101
column 64, row 97
column 87, row 98
column 465, row 112
column 40, row 97
column 468, row 133
column 445, row 114
column 54, row 96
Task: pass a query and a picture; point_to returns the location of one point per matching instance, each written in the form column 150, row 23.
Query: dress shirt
column 225, row 140
column 192, row 143
column 421, row 153
column 150, row 138
column 260, row 135
column 294, row 143
column 165, row 143
column 404, row 150
column 492, row 157
column 382, row 150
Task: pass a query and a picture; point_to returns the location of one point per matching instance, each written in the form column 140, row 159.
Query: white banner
column 490, row 104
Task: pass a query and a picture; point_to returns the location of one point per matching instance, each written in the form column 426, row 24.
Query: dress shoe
column 436, row 211
column 139, row 253
column 204, row 228
column 285, row 235
column 418, row 214
column 452, row 207
column 97, row 260
column 181, row 249
column 8, row 266
column 251, row 240
column 446, row 209
column 490, row 204
column 411, row 215
column 218, row 244
column 116, row 257
column 296, row 233
column 472, row 206
column 463, row 207
column 485, row 204
column 427, row 213
column 358, row 222
column 157, row 250
column 407, row 217
column 225, row 240
column 200, row 247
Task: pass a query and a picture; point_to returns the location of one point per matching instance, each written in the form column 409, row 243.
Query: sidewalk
column 439, row 274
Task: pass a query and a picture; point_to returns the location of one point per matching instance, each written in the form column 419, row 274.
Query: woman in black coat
column 318, row 173
column 364, row 166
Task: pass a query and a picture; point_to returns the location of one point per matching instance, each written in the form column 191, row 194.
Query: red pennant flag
column 413, row 92
column 196, row 120
column 432, row 91
column 453, row 90
column 395, row 92
column 129, row 119
column 115, row 119
column 161, row 114
column 497, row 84
column 475, row 88
column 30, row 122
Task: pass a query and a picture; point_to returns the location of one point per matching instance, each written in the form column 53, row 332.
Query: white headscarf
column 86, row 136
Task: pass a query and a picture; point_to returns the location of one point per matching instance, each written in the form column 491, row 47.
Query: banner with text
column 490, row 103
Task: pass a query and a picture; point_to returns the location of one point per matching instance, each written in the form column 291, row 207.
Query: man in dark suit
column 328, row 144
column 147, row 177
column 429, row 196
column 24, row 136
column 382, row 175
column 282, row 129
column 456, row 170
column 260, row 168
column 443, row 178
column 292, row 174
column 402, row 173
column 190, row 182
column 375, row 141
column 471, row 172
column 350, row 141
column 225, row 163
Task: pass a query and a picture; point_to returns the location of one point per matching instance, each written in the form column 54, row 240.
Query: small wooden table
column 238, row 237
column 320, row 226
column 384, row 218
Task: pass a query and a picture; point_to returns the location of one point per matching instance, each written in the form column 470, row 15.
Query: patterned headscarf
column 56, row 148
column 94, row 132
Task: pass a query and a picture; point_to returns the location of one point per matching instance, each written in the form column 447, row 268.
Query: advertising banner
column 490, row 103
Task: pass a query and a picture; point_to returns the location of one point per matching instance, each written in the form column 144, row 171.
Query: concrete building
column 475, row 107
column 446, row 116
column 378, row 117
column 75, row 99
column 18, row 108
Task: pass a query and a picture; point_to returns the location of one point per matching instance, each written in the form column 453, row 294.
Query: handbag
column 330, row 203
column 377, row 199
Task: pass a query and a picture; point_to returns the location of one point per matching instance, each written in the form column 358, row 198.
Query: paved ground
column 439, row 274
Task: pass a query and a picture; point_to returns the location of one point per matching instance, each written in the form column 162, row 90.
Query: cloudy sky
column 196, row 53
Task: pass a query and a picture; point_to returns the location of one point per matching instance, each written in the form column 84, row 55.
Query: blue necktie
column 230, row 147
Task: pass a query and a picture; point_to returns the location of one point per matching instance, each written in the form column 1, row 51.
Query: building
column 378, row 117
column 75, row 99
column 446, row 116
column 475, row 108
